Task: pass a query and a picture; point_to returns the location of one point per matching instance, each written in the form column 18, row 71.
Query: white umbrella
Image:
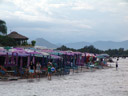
column 44, row 53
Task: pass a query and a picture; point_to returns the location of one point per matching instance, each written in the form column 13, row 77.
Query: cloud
column 126, row 19
column 1, row 1
column 82, row 6
column 74, row 23
column 70, row 19
column 123, row 3
column 58, row 5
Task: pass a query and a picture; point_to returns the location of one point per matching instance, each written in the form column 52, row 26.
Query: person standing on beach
column 49, row 70
column 117, row 64
column 38, row 69
column 31, row 70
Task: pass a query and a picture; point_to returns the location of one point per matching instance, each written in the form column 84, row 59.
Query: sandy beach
column 103, row 82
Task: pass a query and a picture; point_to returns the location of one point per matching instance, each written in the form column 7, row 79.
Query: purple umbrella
column 23, row 54
column 2, row 53
column 18, row 48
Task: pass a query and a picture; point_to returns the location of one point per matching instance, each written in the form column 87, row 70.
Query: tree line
column 91, row 49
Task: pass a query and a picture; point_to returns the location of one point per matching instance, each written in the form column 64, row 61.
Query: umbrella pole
column 16, row 59
column 21, row 62
column 7, row 59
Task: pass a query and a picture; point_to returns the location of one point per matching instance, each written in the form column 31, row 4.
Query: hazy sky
column 63, row 21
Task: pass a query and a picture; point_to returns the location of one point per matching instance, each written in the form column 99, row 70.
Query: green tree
column 64, row 48
column 33, row 42
column 7, row 41
column 92, row 49
column 25, row 43
column 121, row 51
column 3, row 27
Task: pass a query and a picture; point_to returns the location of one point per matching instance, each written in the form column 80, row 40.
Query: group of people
column 36, row 70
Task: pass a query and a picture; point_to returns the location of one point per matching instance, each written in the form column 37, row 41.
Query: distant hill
column 103, row 45
column 45, row 43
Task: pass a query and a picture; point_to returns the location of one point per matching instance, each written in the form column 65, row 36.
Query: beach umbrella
column 88, row 54
column 2, row 49
column 38, row 55
column 21, row 52
column 77, row 53
column 7, row 48
column 55, row 57
column 44, row 53
column 18, row 48
column 2, row 53
column 56, row 53
column 83, row 54
column 12, row 50
column 102, row 56
column 105, row 55
column 46, row 50
column 29, row 50
column 99, row 56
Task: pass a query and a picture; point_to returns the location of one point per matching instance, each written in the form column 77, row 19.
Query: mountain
column 103, row 45
column 45, row 43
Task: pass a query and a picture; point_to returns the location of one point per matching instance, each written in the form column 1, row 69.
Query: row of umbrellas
column 55, row 54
